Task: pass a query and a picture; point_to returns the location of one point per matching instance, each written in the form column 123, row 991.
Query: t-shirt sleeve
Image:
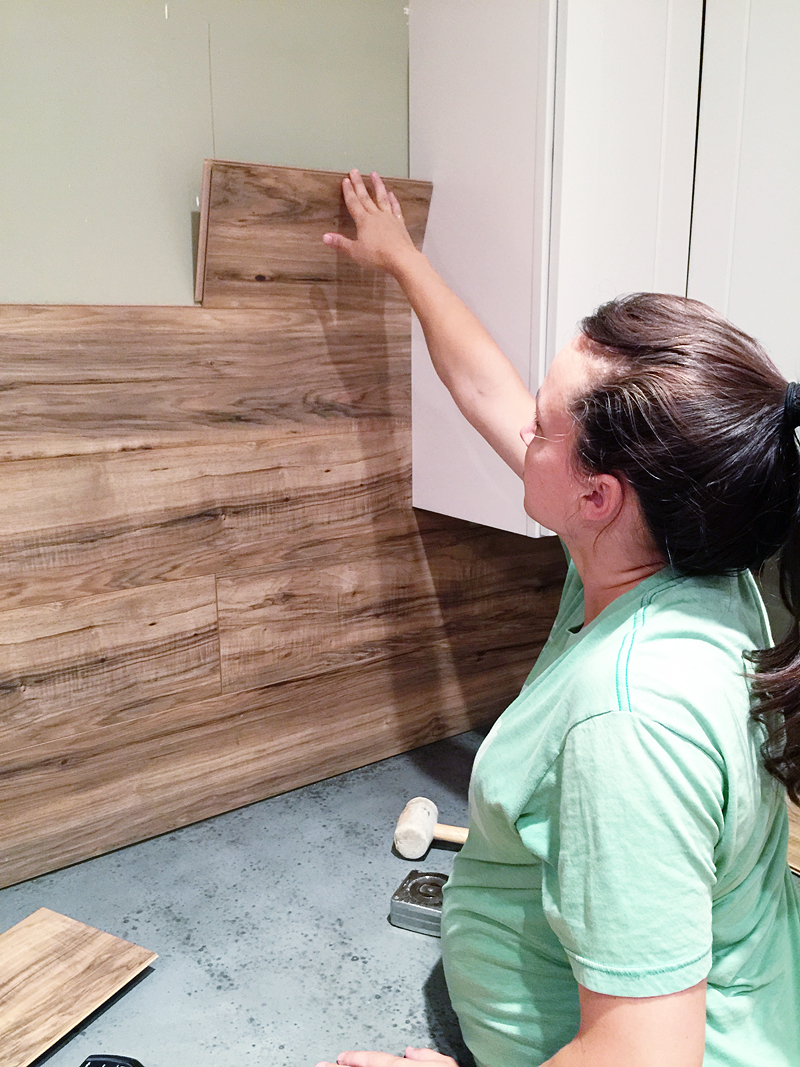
column 635, row 813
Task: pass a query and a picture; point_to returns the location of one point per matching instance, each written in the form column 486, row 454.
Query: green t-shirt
column 624, row 835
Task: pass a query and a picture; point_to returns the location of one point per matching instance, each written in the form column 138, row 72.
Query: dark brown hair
column 689, row 410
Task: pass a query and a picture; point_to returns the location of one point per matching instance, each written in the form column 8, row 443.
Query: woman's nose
column 528, row 432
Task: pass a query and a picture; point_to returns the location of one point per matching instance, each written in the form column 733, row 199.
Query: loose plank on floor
column 54, row 972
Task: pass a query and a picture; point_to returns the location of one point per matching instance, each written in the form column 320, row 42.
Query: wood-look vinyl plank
column 153, row 454
column 159, row 417
column 82, row 525
column 71, row 666
column 145, row 777
column 54, row 972
column 202, row 236
column 76, row 384
column 84, row 343
column 794, row 838
column 264, row 235
column 305, row 620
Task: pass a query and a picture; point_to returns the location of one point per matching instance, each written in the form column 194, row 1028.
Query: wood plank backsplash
column 214, row 587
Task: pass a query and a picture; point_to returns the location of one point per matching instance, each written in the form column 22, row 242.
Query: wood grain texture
column 202, row 235
column 75, row 526
column 794, row 838
column 147, row 776
column 199, row 496
column 54, row 972
column 355, row 607
column 264, row 236
column 68, row 666
column 86, row 380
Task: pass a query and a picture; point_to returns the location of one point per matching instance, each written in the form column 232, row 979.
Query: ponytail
column 775, row 685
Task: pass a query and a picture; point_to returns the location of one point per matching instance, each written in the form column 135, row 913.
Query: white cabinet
column 559, row 136
column 746, row 220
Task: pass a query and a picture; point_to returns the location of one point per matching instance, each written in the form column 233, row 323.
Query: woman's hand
column 484, row 384
column 382, row 239
column 424, row 1056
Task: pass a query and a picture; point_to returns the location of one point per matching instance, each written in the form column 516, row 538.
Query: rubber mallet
column 417, row 828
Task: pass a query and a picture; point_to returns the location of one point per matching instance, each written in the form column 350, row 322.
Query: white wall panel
column 626, row 120
column 746, row 225
column 480, row 86
column 560, row 138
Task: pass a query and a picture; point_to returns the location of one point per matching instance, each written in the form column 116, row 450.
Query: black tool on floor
column 110, row 1061
column 417, row 903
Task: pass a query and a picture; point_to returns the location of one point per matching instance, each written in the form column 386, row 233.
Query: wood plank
column 68, row 667
column 264, row 237
column 77, row 380
column 82, row 525
column 54, row 972
column 361, row 607
column 163, row 452
column 794, row 838
column 202, row 237
column 145, row 777
column 71, row 343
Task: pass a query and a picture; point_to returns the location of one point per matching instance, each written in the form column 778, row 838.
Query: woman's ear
column 602, row 499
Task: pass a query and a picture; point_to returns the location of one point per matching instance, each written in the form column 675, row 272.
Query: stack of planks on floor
column 214, row 587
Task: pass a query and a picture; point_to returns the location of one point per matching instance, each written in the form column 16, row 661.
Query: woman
column 623, row 898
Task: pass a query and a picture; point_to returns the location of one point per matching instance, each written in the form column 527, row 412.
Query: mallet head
column 415, row 828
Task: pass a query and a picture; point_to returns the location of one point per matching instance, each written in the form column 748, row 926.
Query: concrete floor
column 271, row 926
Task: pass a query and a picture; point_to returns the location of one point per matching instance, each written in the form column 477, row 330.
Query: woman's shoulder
column 672, row 649
column 701, row 614
column 680, row 659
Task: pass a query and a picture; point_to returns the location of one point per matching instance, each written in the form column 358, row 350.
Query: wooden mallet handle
column 456, row 834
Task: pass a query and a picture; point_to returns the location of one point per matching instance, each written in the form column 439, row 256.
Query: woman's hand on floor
column 424, row 1056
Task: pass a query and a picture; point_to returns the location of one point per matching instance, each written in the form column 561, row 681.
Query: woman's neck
column 608, row 571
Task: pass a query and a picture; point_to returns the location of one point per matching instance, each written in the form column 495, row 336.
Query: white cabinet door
column 481, row 82
column 746, row 223
column 625, row 144
column 559, row 137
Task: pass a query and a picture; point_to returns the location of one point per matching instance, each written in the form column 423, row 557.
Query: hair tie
column 791, row 405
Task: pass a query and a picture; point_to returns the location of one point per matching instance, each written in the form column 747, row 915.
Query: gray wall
column 109, row 108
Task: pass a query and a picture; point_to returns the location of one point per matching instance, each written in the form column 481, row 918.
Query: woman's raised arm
column 481, row 379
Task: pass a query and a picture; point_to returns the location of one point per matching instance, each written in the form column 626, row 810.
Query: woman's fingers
column 394, row 205
column 357, row 194
column 337, row 241
column 360, row 189
column 382, row 239
column 352, row 199
column 385, row 1059
column 382, row 197
column 428, row 1055
column 368, row 1059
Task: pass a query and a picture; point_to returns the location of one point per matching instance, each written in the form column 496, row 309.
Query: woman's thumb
column 337, row 241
